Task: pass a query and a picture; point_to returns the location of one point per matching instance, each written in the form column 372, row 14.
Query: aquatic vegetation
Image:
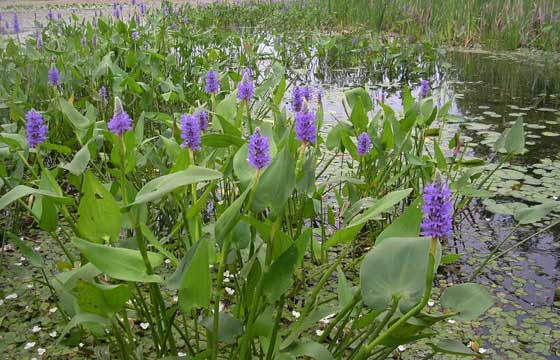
column 215, row 213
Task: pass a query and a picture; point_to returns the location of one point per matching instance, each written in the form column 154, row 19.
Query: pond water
column 489, row 92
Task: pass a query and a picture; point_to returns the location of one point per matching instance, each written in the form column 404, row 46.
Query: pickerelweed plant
column 205, row 216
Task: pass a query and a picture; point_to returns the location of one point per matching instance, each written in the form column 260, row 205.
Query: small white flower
column 41, row 351
column 37, row 248
column 327, row 318
column 53, row 310
column 319, row 332
column 221, row 306
column 36, row 329
column 1, row 302
column 167, row 261
column 296, row 314
column 482, row 350
column 175, row 298
column 29, row 345
column 81, row 344
column 53, row 334
column 226, row 280
column 18, row 264
column 22, row 258
column 33, row 358
column 402, row 348
column 181, row 354
column 144, row 325
column 451, row 321
column 227, row 274
column 431, row 303
column 11, row 296
column 230, row 291
column 30, row 286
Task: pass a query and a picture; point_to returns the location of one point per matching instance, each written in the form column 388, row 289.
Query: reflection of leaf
column 470, row 300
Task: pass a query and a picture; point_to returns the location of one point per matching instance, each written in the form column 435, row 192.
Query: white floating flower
column 41, row 351
column 36, row 329
column 402, row 348
column 18, row 263
column 451, row 321
column 327, row 318
column 319, row 332
column 29, row 345
column 11, row 296
column 53, row 310
column 30, row 286
column 81, row 344
column 227, row 274
column 167, row 261
column 53, row 334
column 22, row 258
column 37, row 248
column 175, row 298
column 296, row 314
column 181, row 354
column 230, row 291
column 431, row 303
column 482, row 350
column 1, row 302
column 226, row 280
column 144, row 325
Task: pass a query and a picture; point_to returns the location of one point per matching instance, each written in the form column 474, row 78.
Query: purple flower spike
column 437, row 209
column 364, row 144
column 306, row 130
column 296, row 99
column 212, row 86
column 16, row 24
column 202, row 117
column 36, row 129
column 54, row 76
column 103, row 93
column 142, row 8
column 190, row 132
column 424, row 88
column 120, row 122
column 307, row 93
column 83, row 41
column 259, row 150
column 50, row 15
column 246, row 89
column 135, row 35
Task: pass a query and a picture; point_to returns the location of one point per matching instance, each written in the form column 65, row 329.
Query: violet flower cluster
column 424, row 88
column 54, row 76
column 246, row 88
column 202, row 117
column 190, row 132
column 259, row 150
column 296, row 99
column 437, row 209
column 35, row 128
column 306, row 129
column 364, row 144
column 212, row 86
column 120, row 122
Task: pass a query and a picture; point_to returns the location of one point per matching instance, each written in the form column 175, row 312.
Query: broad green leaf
column 452, row 347
column 344, row 292
column 82, row 318
column 222, row 140
column 515, row 138
column 99, row 215
column 406, row 225
column 120, row 263
column 344, row 235
column 230, row 217
column 227, row 108
column 80, row 161
column 195, row 288
column 310, row 349
column 359, row 117
column 470, row 300
column 21, row 191
column 395, row 268
column 278, row 279
column 353, row 95
column 381, row 205
column 229, row 328
column 161, row 186
column 100, row 299
column 270, row 191
column 77, row 120
column 535, row 213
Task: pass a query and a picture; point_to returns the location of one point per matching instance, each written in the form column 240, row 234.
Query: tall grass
column 508, row 24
